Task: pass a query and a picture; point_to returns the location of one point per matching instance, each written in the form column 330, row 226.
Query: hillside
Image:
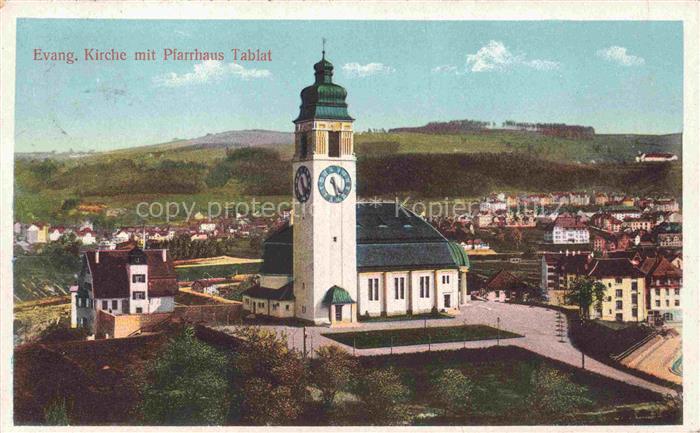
column 238, row 165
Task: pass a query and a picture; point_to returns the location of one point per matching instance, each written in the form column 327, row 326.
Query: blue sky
column 619, row 77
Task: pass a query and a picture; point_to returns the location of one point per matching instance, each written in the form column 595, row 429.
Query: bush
column 383, row 396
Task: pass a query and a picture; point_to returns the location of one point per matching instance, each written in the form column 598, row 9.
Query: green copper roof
column 458, row 255
column 323, row 99
column 337, row 296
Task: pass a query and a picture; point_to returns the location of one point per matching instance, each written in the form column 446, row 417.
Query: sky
column 619, row 77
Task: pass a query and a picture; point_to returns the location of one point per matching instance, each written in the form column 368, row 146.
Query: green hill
column 424, row 165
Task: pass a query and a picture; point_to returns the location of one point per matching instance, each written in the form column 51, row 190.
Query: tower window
column 303, row 146
column 334, row 144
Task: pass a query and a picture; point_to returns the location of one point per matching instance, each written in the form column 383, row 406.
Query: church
column 339, row 260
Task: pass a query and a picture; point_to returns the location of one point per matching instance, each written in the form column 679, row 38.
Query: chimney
column 97, row 256
column 165, row 255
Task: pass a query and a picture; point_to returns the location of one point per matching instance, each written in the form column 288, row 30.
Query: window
column 399, row 288
column 677, row 291
column 334, row 144
column 677, row 303
column 286, row 307
column 246, row 301
column 303, row 146
column 115, row 304
column 635, row 286
column 634, row 312
column 657, row 292
column 618, row 293
column 618, row 317
column 138, row 278
column 125, row 305
column 105, row 305
column 139, row 295
column 425, row 287
column 618, row 280
column 658, row 303
column 139, row 310
column 445, row 279
column 609, row 298
column 373, row 289
column 618, row 305
column 668, row 303
column 635, row 301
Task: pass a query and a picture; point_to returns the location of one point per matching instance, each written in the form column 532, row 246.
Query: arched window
column 303, row 146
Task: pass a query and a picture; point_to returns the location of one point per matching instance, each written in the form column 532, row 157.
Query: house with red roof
column 115, row 283
column 663, row 281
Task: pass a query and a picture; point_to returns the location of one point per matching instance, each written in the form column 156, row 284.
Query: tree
column 189, row 384
column 452, row 390
column 553, row 394
column 56, row 413
column 383, row 396
column 586, row 293
column 271, row 379
column 332, row 372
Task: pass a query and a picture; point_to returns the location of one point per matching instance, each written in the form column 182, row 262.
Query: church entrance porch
column 341, row 306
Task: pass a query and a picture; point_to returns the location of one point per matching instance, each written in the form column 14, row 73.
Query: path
column 537, row 325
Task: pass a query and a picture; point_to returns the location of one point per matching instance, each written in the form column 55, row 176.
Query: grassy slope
column 77, row 175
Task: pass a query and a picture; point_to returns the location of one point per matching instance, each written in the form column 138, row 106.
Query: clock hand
column 335, row 186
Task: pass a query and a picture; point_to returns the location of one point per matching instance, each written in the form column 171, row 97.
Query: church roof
column 386, row 239
column 323, row 99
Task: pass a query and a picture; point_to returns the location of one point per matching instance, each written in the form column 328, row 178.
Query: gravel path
column 538, row 326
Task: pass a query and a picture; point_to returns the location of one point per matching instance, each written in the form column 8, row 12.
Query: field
column 192, row 273
column 214, row 261
column 32, row 317
column 42, row 275
column 415, row 336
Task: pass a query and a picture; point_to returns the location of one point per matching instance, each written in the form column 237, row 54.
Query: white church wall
column 422, row 304
column 364, row 304
column 397, row 305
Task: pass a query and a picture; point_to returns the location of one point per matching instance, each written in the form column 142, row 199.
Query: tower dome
column 323, row 99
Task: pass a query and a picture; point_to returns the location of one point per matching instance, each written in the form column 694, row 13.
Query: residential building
column 663, row 289
column 567, row 229
column 115, row 283
column 625, row 285
column 37, row 233
column 656, row 157
column 558, row 271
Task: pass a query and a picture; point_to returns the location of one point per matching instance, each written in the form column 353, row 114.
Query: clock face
column 334, row 184
column 302, row 184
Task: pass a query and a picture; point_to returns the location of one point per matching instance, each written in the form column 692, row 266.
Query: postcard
column 310, row 214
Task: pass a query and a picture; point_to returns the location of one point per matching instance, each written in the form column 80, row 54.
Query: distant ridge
column 243, row 138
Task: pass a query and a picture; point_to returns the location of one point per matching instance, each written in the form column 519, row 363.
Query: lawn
column 405, row 317
column 415, row 336
column 503, row 392
column 192, row 273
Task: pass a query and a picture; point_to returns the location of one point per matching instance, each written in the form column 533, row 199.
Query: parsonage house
column 338, row 259
column 121, row 291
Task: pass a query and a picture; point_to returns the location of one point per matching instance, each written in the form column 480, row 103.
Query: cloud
column 495, row 56
column 445, row 69
column 357, row 70
column 617, row 54
column 209, row 70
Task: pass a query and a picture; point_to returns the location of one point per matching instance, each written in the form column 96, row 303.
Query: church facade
column 339, row 260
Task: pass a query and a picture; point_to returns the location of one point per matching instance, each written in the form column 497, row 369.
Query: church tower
column 324, row 254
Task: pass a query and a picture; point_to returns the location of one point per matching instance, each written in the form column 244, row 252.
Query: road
column 538, row 326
